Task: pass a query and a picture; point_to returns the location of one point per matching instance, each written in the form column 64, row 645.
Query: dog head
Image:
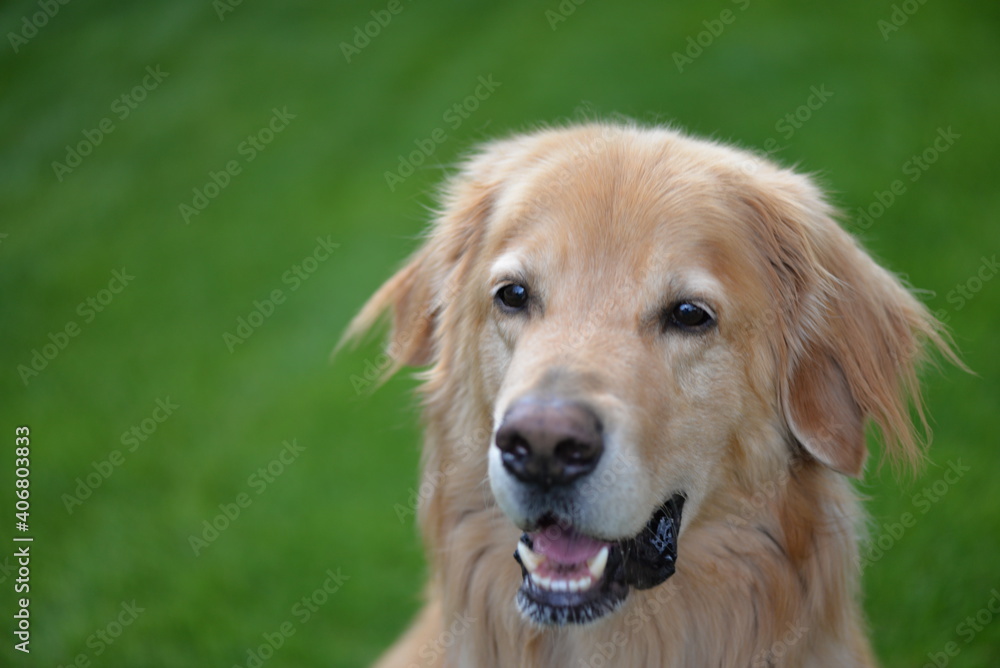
column 645, row 320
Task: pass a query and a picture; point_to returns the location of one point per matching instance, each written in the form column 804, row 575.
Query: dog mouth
column 571, row 578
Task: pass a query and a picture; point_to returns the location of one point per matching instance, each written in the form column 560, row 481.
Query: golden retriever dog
column 650, row 363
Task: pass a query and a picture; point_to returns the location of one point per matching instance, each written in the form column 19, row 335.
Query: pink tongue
column 565, row 546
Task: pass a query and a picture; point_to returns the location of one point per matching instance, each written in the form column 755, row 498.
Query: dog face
column 615, row 356
column 650, row 326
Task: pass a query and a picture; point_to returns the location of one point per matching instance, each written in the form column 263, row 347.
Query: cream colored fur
column 760, row 421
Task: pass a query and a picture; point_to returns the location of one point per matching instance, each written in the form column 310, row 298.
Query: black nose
column 549, row 442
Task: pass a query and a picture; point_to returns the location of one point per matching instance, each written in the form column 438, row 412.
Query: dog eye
column 513, row 296
column 688, row 316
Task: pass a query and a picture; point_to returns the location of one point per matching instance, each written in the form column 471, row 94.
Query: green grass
column 332, row 508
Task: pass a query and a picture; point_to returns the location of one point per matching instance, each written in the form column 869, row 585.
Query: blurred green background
column 266, row 90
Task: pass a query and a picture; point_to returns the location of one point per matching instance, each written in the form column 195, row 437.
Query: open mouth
column 570, row 578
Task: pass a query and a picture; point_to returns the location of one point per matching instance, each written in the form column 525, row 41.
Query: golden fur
column 760, row 421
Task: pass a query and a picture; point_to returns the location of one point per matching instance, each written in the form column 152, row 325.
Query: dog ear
column 408, row 297
column 822, row 413
column 853, row 337
column 416, row 295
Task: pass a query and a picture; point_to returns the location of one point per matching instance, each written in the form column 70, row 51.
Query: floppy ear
column 855, row 337
column 408, row 296
column 822, row 413
column 417, row 293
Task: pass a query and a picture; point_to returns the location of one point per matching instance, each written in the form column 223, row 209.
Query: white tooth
column 574, row 585
column 585, row 582
column 597, row 563
column 560, row 585
column 543, row 581
column 529, row 558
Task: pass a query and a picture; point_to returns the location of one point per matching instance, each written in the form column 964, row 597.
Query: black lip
column 643, row 562
column 651, row 557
